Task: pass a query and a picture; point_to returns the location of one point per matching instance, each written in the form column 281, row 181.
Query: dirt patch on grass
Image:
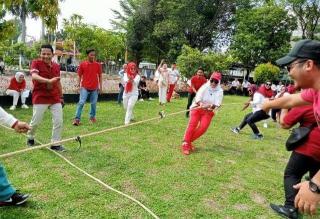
column 257, row 198
column 131, row 189
column 167, row 197
column 241, row 207
column 211, row 204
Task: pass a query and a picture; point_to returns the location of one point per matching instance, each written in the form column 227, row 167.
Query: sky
column 97, row 12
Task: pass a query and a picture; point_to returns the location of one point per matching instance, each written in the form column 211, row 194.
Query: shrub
column 265, row 72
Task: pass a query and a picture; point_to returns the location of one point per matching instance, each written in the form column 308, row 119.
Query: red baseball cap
column 216, row 75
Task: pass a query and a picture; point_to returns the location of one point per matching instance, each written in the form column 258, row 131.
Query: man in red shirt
column 90, row 84
column 195, row 83
column 304, row 159
column 47, row 92
column 303, row 65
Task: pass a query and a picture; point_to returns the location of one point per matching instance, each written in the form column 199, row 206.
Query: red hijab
column 265, row 92
column 131, row 74
column 252, row 88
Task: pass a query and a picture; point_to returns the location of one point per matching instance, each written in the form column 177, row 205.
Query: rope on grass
column 78, row 138
column 161, row 114
column 97, row 180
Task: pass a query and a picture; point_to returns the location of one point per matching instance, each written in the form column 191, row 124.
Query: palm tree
column 47, row 10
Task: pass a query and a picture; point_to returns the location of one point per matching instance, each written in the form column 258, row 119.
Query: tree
column 109, row 45
column 308, row 14
column 191, row 59
column 266, row 72
column 262, row 35
column 47, row 10
column 7, row 28
column 159, row 28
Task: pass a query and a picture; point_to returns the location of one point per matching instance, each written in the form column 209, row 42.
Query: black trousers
column 144, row 94
column 252, row 118
column 274, row 114
column 245, row 91
column 297, row 166
column 190, row 99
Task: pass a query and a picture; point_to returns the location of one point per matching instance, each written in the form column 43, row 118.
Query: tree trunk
column 42, row 30
column 23, row 18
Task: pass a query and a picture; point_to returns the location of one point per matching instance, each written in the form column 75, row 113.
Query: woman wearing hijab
column 131, row 91
column 163, row 82
column 208, row 98
column 17, row 88
column 263, row 93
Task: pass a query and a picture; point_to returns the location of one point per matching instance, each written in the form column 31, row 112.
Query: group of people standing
column 205, row 97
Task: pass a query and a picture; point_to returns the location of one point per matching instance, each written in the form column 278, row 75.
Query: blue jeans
column 82, row 100
column 6, row 190
column 121, row 89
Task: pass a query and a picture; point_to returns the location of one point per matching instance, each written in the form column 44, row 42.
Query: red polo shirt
column 42, row 93
column 89, row 73
column 14, row 85
column 197, row 82
column 305, row 116
column 312, row 96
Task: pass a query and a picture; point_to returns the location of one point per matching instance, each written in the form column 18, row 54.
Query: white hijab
column 17, row 76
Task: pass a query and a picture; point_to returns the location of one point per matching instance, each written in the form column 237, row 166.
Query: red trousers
column 199, row 122
column 170, row 92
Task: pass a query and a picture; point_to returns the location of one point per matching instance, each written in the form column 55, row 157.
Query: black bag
column 297, row 137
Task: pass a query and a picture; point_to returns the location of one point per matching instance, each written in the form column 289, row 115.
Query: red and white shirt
column 15, row 85
column 42, row 93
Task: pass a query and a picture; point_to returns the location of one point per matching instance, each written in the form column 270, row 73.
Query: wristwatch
column 314, row 187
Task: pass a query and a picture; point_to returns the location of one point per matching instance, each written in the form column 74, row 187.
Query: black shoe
column 16, row 199
column 284, row 211
column 30, row 142
column 58, row 148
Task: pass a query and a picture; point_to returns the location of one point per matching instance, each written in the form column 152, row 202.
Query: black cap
column 303, row 49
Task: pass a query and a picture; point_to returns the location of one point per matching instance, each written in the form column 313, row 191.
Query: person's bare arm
column 285, row 102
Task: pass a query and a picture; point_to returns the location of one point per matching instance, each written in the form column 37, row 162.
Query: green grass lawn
column 229, row 176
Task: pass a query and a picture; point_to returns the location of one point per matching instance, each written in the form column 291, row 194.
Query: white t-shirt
column 245, row 84
column 6, row 118
column 235, row 83
column 208, row 95
column 173, row 76
column 257, row 101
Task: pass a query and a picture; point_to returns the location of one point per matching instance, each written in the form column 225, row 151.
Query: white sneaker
column 24, row 106
column 150, row 98
column 12, row 108
column 141, row 99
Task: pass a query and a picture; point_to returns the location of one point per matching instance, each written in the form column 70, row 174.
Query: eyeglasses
column 268, row 84
column 289, row 67
column 212, row 80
